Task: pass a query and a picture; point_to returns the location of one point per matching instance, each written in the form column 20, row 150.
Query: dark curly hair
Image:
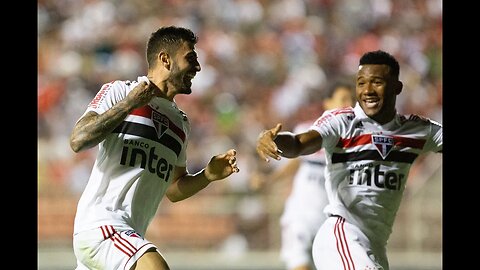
column 380, row 57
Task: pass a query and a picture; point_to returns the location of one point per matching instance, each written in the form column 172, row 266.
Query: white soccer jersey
column 368, row 165
column 134, row 164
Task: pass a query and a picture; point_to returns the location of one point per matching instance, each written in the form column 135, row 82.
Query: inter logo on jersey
column 160, row 122
column 384, row 144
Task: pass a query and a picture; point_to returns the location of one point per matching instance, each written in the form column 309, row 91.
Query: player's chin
column 185, row 90
column 371, row 111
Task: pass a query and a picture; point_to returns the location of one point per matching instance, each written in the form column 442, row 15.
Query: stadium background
column 263, row 62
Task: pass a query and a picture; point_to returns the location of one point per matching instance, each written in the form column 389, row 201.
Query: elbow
column 75, row 145
column 173, row 198
column 174, row 195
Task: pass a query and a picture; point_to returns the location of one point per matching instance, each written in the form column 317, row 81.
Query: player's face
column 376, row 92
column 342, row 97
column 184, row 68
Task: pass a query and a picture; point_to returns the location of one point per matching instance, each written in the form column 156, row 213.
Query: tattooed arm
column 91, row 129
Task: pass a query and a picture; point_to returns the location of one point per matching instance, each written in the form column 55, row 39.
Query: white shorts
column 296, row 249
column 340, row 245
column 300, row 221
column 108, row 249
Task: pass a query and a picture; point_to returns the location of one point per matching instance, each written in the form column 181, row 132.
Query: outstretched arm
column 92, row 128
column 275, row 144
column 186, row 185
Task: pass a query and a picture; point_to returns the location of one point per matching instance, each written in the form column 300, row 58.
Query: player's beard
column 180, row 82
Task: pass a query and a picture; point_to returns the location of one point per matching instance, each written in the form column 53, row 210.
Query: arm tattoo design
column 93, row 128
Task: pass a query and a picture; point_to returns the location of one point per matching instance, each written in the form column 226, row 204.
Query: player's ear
column 164, row 59
column 398, row 87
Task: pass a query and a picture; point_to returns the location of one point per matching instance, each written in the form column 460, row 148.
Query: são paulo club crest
column 384, row 144
column 160, row 122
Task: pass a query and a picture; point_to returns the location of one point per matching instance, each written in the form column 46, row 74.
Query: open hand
column 266, row 146
column 221, row 166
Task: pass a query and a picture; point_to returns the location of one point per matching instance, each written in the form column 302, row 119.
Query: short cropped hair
column 380, row 57
column 168, row 39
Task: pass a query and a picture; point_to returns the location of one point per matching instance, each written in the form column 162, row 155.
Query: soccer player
column 142, row 137
column 369, row 151
column 303, row 211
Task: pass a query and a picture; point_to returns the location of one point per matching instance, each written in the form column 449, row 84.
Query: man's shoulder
column 342, row 115
column 416, row 119
column 117, row 84
column 126, row 83
column 345, row 114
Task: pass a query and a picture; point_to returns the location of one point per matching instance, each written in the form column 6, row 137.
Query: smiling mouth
column 371, row 103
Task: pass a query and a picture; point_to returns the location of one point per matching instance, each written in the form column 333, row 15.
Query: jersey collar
column 142, row 78
column 360, row 114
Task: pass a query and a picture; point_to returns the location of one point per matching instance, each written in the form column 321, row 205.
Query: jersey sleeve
column 108, row 95
column 328, row 127
column 435, row 143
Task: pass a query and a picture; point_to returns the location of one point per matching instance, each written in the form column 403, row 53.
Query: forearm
column 93, row 128
column 187, row 185
column 288, row 144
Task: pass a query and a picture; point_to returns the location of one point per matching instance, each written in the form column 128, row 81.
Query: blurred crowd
column 263, row 62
